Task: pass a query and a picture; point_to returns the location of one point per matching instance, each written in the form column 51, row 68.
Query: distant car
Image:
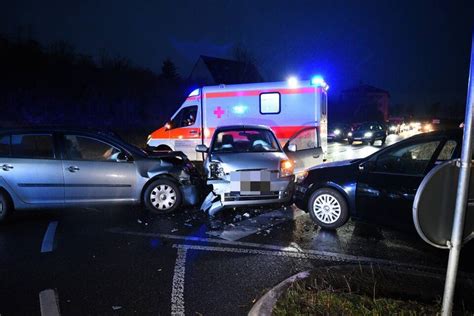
column 393, row 127
column 380, row 188
column 43, row 168
column 245, row 165
column 338, row 131
column 368, row 132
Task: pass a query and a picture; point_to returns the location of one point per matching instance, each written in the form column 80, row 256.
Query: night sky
column 418, row 50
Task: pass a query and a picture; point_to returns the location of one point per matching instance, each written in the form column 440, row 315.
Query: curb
column 264, row 306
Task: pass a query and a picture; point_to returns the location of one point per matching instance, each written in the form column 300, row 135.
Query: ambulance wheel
column 162, row 196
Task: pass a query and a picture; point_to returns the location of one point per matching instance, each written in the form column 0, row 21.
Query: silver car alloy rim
column 327, row 208
column 163, row 197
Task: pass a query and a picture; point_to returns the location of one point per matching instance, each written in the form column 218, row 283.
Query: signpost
column 440, row 235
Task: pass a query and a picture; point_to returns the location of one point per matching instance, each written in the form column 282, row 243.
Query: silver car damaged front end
column 245, row 179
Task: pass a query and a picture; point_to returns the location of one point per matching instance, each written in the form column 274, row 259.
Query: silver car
column 59, row 167
column 245, row 165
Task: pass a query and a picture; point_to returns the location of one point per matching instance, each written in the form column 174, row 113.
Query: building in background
column 364, row 103
column 213, row 71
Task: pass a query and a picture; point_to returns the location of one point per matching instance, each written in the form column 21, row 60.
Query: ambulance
column 287, row 107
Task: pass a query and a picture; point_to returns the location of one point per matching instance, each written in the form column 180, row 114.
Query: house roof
column 363, row 89
column 231, row 71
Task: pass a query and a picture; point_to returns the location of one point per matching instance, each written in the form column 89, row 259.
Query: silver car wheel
column 327, row 208
column 163, row 197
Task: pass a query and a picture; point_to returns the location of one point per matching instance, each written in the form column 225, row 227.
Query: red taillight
column 286, row 168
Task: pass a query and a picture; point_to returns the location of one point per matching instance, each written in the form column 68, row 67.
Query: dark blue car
column 368, row 132
column 379, row 188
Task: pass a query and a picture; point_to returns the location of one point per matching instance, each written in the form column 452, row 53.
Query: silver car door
column 93, row 171
column 308, row 151
column 32, row 169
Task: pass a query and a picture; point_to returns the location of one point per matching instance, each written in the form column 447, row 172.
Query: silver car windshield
column 245, row 140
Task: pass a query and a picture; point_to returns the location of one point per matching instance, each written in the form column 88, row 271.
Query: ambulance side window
column 324, row 103
column 185, row 117
column 270, row 103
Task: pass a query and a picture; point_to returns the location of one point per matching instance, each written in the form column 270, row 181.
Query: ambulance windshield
column 245, row 140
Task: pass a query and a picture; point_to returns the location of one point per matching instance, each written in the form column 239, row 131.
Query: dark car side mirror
column 367, row 166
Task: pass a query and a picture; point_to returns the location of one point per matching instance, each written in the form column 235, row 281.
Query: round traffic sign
column 433, row 208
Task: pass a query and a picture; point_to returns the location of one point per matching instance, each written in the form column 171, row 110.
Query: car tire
column 350, row 141
column 5, row 207
column 383, row 141
column 162, row 196
column 372, row 142
column 328, row 208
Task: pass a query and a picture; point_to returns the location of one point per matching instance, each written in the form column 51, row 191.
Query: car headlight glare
column 337, row 132
column 286, row 168
column 301, row 176
column 349, row 134
column 368, row 134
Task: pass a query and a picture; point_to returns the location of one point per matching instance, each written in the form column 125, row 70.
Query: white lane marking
column 49, row 304
column 48, row 239
column 298, row 255
column 252, row 225
column 317, row 254
column 177, row 291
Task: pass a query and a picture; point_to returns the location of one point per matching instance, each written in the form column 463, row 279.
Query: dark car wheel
column 5, row 207
column 328, row 208
column 383, row 141
column 372, row 142
column 162, row 196
column 350, row 141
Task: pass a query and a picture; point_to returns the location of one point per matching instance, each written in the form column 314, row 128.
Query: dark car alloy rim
column 327, row 208
column 163, row 197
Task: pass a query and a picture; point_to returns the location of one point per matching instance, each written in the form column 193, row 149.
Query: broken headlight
column 216, row 171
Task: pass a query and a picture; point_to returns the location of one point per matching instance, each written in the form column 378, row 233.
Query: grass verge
column 364, row 290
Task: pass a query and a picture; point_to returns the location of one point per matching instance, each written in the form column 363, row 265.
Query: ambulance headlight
column 216, row 171
column 337, row 132
column 368, row 134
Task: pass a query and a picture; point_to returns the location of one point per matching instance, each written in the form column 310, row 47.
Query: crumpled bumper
column 221, row 196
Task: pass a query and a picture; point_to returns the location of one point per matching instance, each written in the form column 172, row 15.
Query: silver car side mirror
column 122, row 157
column 202, row 149
column 292, row 148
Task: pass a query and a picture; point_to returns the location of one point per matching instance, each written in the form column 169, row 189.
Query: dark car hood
column 336, row 164
column 359, row 133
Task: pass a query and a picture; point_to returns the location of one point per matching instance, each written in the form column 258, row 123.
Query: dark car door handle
column 7, row 167
column 73, row 169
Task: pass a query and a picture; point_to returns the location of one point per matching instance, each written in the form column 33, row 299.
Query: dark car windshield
column 367, row 126
column 245, row 140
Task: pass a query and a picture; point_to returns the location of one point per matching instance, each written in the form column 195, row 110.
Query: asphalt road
column 102, row 262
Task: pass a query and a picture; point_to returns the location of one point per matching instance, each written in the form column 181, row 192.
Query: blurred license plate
column 254, row 182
